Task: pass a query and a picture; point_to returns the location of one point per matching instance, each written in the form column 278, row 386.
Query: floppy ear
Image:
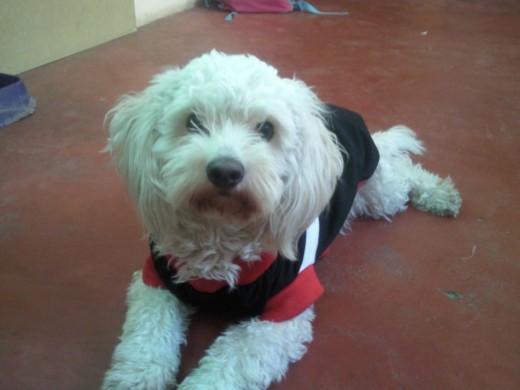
column 133, row 131
column 316, row 165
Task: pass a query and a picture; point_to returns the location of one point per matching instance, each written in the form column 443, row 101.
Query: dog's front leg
column 148, row 356
column 252, row 355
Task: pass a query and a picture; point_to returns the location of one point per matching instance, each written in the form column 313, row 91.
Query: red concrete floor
column 419, row 303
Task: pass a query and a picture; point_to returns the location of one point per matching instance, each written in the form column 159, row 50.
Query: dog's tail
column 397, row 141
column 397, row 180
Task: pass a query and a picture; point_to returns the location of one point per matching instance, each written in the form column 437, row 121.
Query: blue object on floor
column 15, row 102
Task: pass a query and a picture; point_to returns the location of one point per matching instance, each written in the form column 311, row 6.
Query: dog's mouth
column 228, row 204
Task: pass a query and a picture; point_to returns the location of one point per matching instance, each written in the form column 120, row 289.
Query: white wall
column 147, row 11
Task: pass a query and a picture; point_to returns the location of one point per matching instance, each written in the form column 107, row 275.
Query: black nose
column 225, row 172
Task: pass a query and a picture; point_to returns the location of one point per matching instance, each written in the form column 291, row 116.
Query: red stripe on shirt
column 150, row 276
column 250, row 271
column 295, row 298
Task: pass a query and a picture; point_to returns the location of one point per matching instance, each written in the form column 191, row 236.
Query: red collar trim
column 250, row 271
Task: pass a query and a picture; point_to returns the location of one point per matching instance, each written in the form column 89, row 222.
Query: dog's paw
column 137, row 377
column 199, row 386
column 212, row 377
column 212, row 382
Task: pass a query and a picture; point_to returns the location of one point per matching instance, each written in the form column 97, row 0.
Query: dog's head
column 226, row 141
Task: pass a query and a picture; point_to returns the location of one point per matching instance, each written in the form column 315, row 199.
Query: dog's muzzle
column 225, row 173
column 223, row 199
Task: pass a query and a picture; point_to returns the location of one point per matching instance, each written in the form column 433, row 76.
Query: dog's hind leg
column 252, row 355
column 148, row 356
column 398, row 181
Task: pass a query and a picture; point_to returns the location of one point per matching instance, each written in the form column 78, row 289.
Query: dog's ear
column 316, row 165
column 133, row 131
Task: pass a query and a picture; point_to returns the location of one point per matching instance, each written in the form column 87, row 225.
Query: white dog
column 242, row 179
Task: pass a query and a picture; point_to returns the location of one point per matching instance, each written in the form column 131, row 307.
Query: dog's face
column 222, row 138
column 226, row 141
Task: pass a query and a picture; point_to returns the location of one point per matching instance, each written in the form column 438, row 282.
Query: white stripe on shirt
column 311, row 244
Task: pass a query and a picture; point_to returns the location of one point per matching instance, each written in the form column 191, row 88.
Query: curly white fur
column 397, row 181
column 165, row 166
column 289, row 180
column 252, row 354
column 148, row 356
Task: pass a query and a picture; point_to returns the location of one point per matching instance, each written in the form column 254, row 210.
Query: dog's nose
column 225, row 172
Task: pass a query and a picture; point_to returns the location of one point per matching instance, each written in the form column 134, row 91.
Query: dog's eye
column 193, row 124
column 266, row 130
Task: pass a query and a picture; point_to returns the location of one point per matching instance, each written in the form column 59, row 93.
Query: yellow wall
column 35, row 32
